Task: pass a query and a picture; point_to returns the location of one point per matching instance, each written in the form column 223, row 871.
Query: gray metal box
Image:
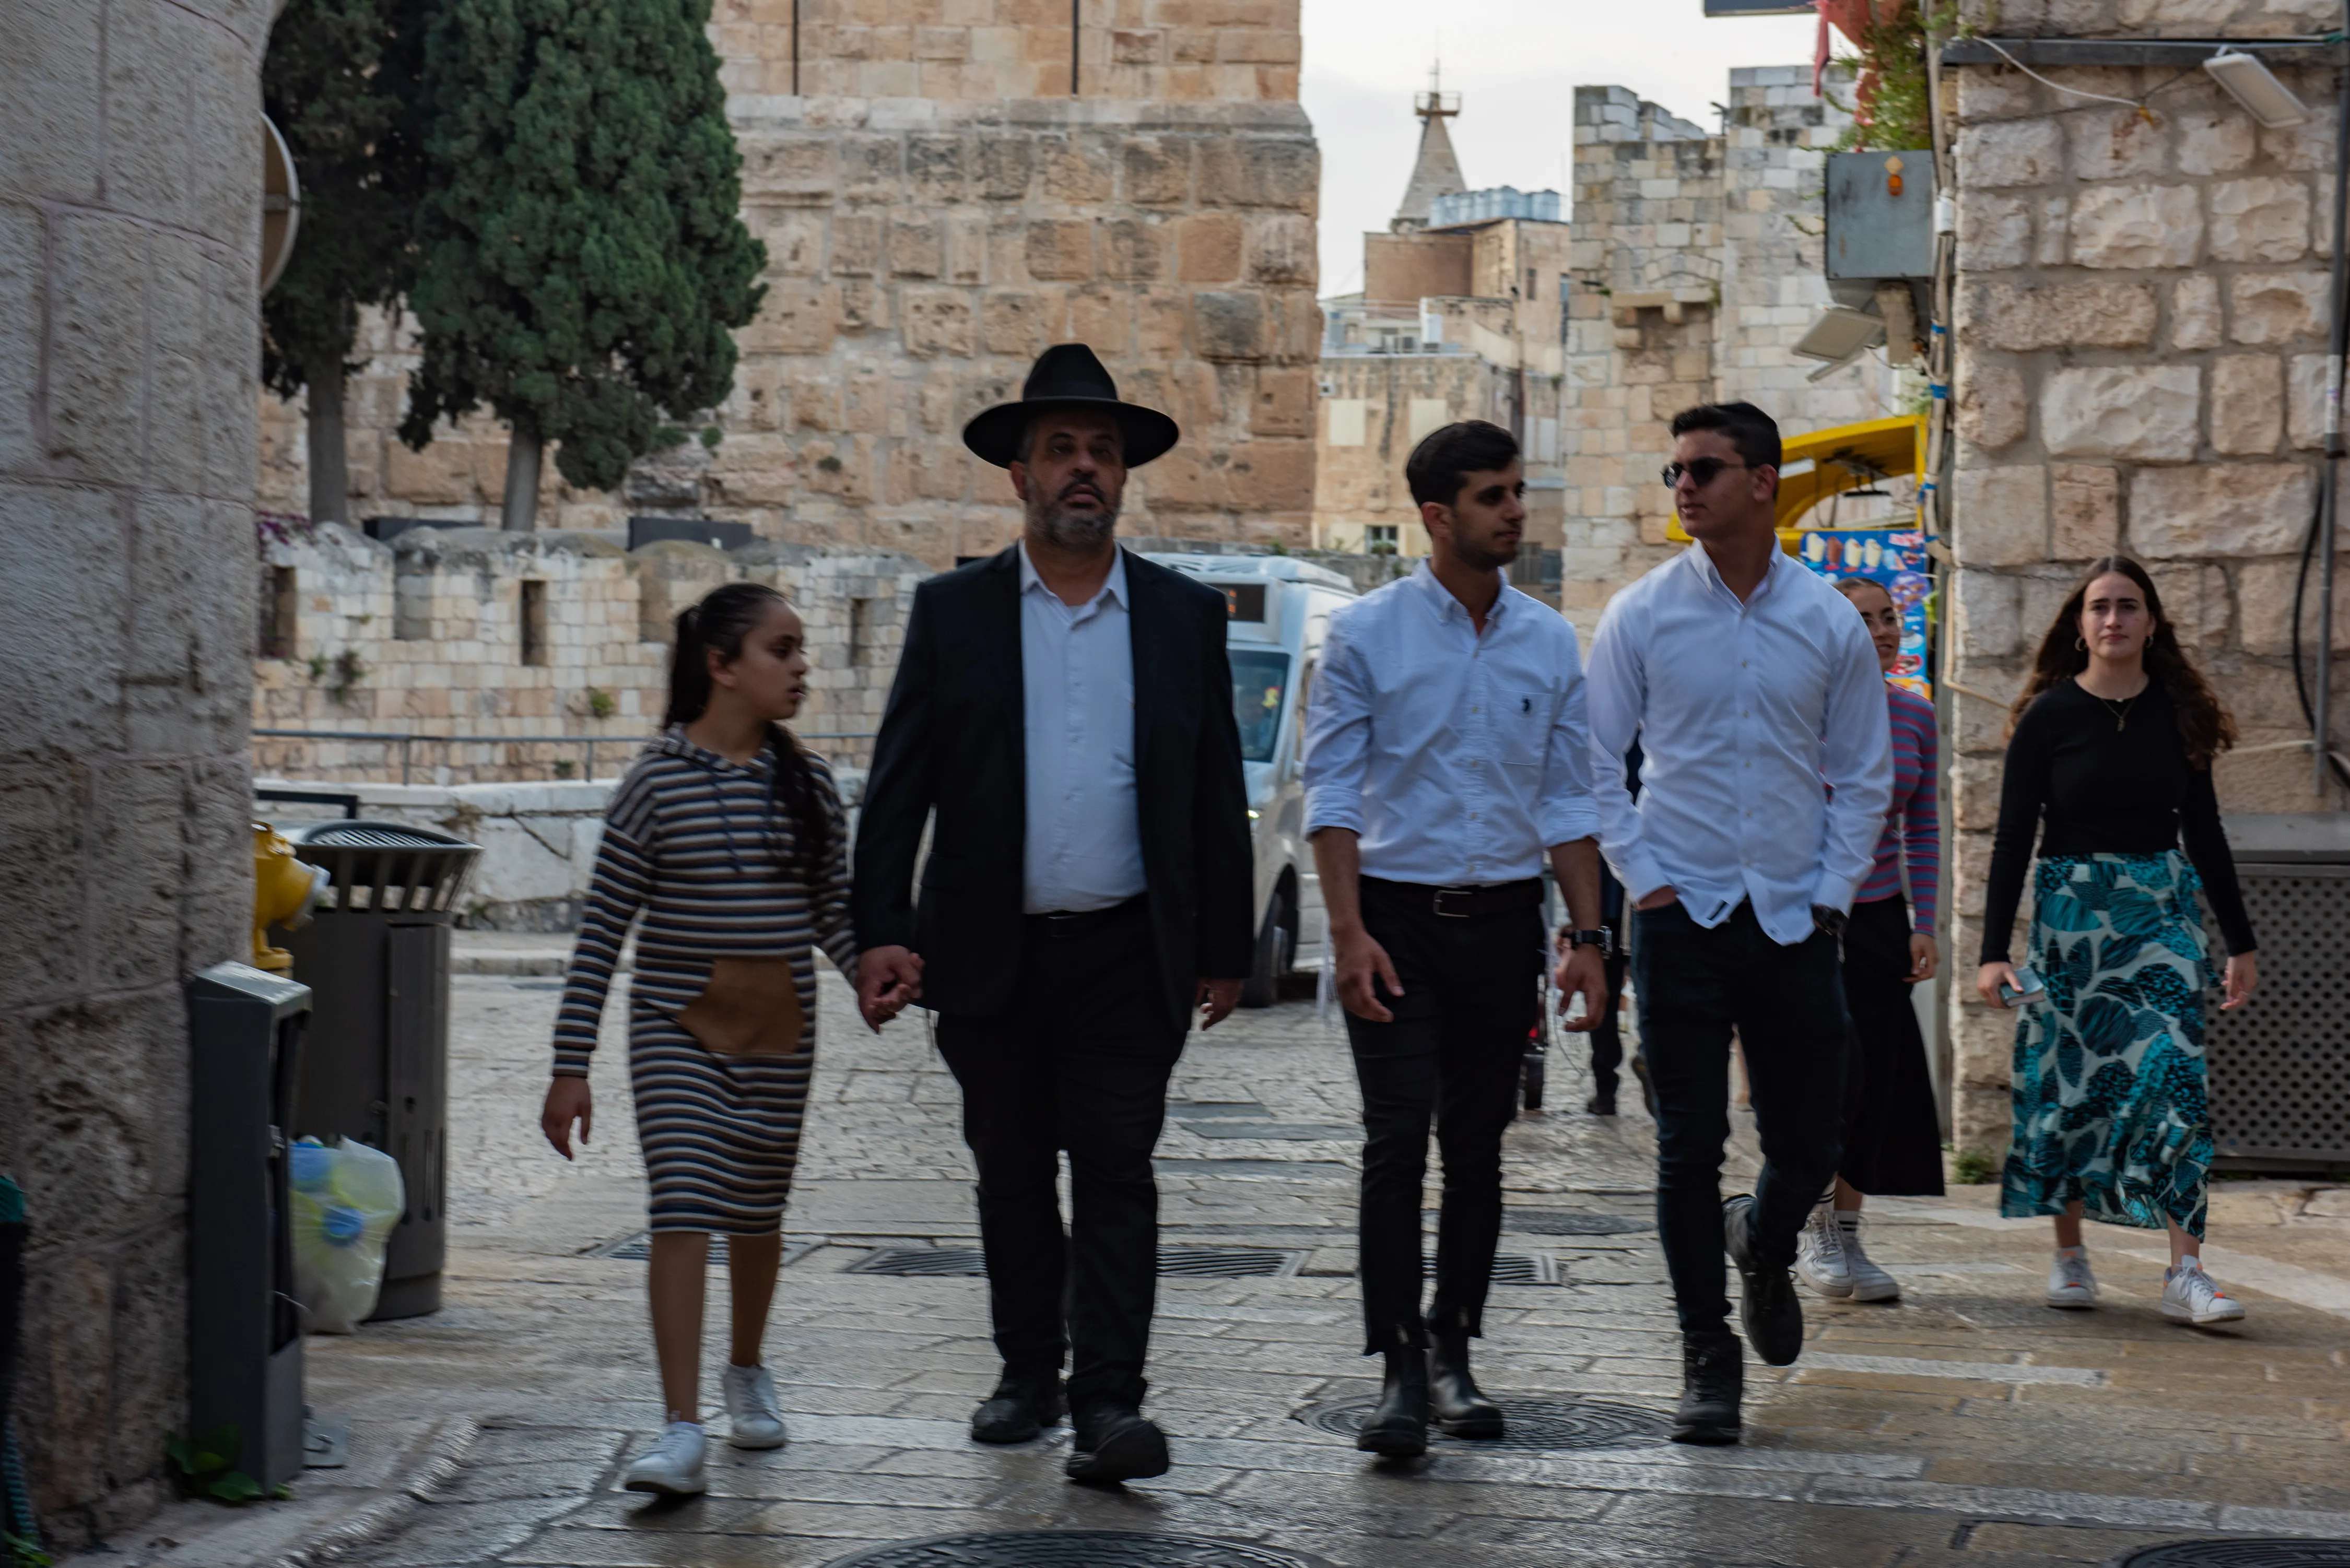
column 1875, row 231
column 245, row 1046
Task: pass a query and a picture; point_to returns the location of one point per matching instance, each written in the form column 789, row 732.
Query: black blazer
column 954, row 739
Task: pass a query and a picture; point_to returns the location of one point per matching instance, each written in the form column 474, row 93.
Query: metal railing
column 406, row 741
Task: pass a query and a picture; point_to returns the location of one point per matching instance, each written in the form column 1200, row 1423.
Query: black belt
column 1078, row 922
column 1465, row 903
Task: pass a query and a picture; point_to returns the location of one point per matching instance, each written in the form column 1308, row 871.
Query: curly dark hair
column 2205, row 726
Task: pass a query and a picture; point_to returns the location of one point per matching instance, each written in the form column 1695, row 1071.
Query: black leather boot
column 1398, row 1428
column 1713, row 1377
column 1024, row 1403
column 1452, row 1394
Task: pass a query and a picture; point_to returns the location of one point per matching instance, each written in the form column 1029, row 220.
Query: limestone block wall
column 433, row 635
column 937, row 208
column 130, row 229
column 1696, row 266
column 2140, row 320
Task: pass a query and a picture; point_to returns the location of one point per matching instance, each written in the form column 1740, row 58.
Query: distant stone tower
column 1436, row 171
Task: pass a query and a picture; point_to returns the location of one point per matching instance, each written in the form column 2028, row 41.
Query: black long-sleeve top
column 2087, row 787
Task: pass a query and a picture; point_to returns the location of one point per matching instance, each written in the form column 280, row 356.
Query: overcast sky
column 1516, row 64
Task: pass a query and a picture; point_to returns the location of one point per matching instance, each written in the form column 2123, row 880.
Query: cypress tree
column 583, row 261
column 339, row 83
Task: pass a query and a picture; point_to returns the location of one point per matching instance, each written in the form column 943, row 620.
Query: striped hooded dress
column 698, row 848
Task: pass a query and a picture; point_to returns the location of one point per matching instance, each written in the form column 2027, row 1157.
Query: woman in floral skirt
column 2109, row 763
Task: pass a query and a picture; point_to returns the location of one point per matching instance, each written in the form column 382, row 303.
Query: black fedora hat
column 1068, row 376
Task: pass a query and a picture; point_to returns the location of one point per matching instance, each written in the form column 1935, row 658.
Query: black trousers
column 1892, row 1133
column 1078, row 1061
column 1453, row 1055
column 1607, row 1037
column 1787, row 1005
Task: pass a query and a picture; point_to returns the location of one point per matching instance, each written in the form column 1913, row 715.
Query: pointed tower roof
column 1436, row 171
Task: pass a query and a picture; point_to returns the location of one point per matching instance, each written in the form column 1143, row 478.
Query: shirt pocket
column 1522, row 727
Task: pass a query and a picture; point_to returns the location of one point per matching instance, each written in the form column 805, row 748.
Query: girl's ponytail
column 688, row 671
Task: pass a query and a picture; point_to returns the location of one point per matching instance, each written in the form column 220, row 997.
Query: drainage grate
column 1528, row 1426
column 1509, row 1268
column 1275, row 1132
column 1207, row 1110
column 1570, row 1222
column 1182, row 1263
column 2267, row 1551
column 640, row 1247
column 1283, row 1170
column 1073, row 1548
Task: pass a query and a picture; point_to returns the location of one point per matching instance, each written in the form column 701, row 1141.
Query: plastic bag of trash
column 345, row 1197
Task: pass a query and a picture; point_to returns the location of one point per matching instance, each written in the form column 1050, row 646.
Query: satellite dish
column 281, row 204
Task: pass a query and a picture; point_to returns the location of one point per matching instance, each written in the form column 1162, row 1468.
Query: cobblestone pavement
column 1965, row 1425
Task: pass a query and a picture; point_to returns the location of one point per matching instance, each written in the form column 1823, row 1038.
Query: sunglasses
column 1704, row 470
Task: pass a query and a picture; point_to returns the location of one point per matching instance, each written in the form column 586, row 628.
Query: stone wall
column 1697, row 266
column 129, row 342
column 929, row 230
column 2140, row 320
column 427, row 636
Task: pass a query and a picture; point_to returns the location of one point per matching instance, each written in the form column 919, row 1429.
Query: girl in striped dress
column 727, row 841
column 1892, row 1132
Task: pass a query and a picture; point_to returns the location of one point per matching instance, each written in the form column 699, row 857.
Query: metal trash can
column 245, row 1031
column 2278, row 1068
column 376, row 958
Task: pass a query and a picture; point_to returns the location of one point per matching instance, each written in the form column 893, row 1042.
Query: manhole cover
column 1184, row 1263
column 1570, row 1222
column 2266, row 1552
column 1072, row 1549
column 1532, row 1425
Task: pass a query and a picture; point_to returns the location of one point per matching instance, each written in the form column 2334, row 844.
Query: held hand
column 2243, row 973
column 1990, row 978
column 1924, row 958
column 568, row 1100
column 887, row 978
column 1583, row 971
column 1216, row 998
column 1658, row 900
column 1360, row 961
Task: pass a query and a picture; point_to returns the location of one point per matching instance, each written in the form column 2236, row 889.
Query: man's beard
column 1071, row 530
column 1482, row 557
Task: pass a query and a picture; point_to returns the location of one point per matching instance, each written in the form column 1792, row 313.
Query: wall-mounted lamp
column 2254, row 86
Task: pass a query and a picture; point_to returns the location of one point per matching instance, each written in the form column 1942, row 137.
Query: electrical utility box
column 1880, row 214
column 245, row 1046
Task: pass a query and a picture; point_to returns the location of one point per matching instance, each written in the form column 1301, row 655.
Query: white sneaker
column 1820, row 1259
column 673, row 1465
column 2190, row 1297
column 2071, row 1285
column 752, row 1420
column 1869, row 1283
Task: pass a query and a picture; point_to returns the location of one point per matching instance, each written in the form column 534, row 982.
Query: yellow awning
column 1813, row 467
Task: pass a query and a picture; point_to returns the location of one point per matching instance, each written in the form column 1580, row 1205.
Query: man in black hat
column 1066, row 709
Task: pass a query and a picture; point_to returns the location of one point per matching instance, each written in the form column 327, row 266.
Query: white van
column 1280, row 613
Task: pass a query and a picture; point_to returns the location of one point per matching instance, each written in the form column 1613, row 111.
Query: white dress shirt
column 1077, row 684
column 1767, row 757
column 1458, row 758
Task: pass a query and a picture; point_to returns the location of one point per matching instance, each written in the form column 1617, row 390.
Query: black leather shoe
column 1453, row 1398
column 1599, row 1106
column 1647, row 1085
column 1023, row 1405
column 1398, row 1427
column 1116, row 1443
column 1713, row 1378
column 1767, row 1308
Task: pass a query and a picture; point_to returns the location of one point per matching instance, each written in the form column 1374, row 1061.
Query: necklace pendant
column 2121, row 722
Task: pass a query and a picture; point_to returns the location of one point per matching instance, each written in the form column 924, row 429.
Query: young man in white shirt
column 1446, row 756
column 1754, row 695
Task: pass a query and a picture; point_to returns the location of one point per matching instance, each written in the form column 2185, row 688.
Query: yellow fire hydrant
column 285, row 890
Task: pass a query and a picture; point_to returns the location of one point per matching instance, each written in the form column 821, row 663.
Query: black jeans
column 1608, row 1035
column 1787, row 1005
column 1453, row 1055
column 1079, row 1061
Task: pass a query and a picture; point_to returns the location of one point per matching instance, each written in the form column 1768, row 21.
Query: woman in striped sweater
column 1892, row 1134
column 727, row 840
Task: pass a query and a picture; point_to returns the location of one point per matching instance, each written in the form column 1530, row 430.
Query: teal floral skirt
column 2110, row 1102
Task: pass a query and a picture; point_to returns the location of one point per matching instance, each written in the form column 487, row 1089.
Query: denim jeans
column 1787, row 1006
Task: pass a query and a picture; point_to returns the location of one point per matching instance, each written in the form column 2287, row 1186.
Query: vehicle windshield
column 1260, row 681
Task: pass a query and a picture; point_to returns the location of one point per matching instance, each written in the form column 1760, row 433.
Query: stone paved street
column 1967, row 1425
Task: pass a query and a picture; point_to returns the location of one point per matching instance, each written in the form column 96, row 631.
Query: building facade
column 940, row 202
